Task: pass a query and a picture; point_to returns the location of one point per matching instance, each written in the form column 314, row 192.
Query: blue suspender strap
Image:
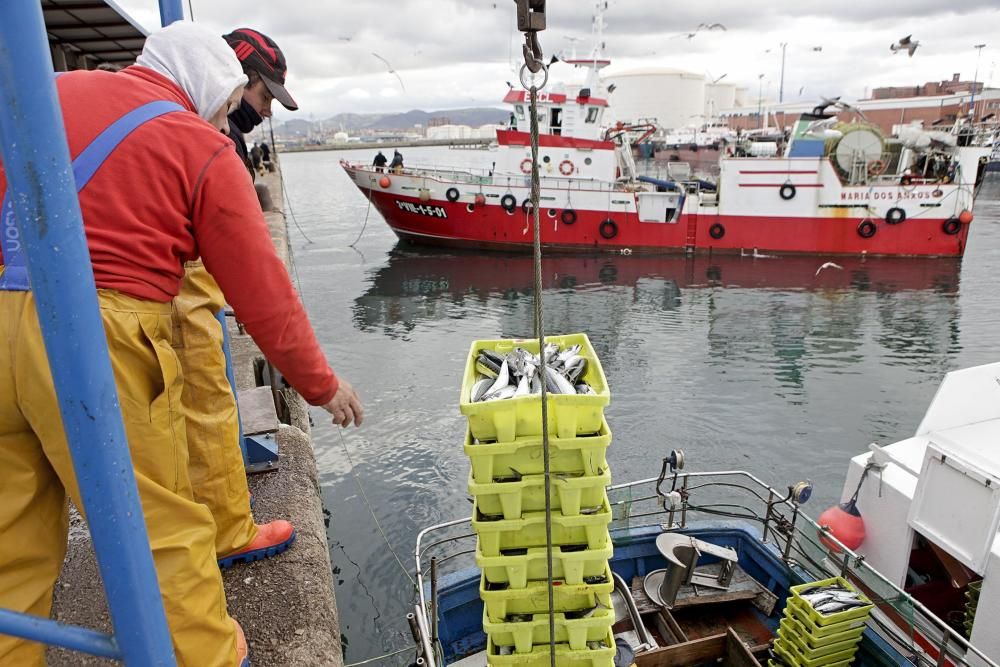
column 14, row 275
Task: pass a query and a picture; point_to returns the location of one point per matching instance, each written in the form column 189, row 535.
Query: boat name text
column 894, row 195
column 11, row 234
column 431, row 211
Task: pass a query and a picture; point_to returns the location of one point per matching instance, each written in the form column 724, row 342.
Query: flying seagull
column 828, row 265
column 391, row 70
column 905, row 44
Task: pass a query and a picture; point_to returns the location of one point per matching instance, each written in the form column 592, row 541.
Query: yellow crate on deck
column 822, row 632
column 790, row 634
column 790, row 654
column 837, row 617
column 803, row 631
column 565, row 656
column 529, row 530
column 571, row 563
column 568, row 494
column 534, row 598
column 525, row 635
column 568, row 415
column 491, row 460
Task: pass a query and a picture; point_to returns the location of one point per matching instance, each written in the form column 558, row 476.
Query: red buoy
column 965, row 217
column 843, row 522
column 384, row 182
column 480, row 199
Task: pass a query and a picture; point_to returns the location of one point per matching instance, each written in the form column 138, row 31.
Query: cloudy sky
column 459, row 53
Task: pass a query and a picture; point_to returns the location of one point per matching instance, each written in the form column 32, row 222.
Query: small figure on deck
column 379, row 162
column 255, row 156
column 265, row 155
column 397, row 163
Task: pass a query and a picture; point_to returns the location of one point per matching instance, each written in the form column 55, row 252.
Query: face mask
column 246, row 117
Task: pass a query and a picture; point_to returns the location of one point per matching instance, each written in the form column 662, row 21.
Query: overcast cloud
column 459, row 53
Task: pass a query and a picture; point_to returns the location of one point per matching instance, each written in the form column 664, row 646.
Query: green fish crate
column 836, row 617
column 534, row 598
column 822, row 632
column 569, row 494
column 570, row 563
column 497, row 533
column 523, row 456
column 789, row 634
column 575, row 633
column 569, row 415
column 565, row 656
column 803, row 632
column 791, row 655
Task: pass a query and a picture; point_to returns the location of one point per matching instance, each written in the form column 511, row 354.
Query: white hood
column 197, row 60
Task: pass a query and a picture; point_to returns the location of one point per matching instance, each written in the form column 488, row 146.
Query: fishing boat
column 712, row 567
column 837, row 188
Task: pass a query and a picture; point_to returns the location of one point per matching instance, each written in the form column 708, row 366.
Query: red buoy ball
column 480, row 199
column 843, row 522
column 965, row 217
column 384, row 182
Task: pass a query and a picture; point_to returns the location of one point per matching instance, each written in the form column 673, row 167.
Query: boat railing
column 674, row 501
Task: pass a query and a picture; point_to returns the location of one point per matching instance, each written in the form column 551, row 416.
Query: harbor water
column 757, row 363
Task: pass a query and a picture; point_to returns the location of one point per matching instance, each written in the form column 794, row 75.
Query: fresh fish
column 590, row 510
column 563, row 386
column 536, row 384
column 568, row 353
column 596, row 579
column 833, row 606
column 479, row 389
column 493, row 356
column 501, row 394
column 584, row 613
column 519, row 618
column 584, row 388
column 505, row 650
column 550, row 351
column 575, row 368
column 502, row 380
column 523, row 386
column 487, row 366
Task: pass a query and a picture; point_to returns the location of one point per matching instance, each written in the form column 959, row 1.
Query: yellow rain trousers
column 36, row 474
column 216, row 467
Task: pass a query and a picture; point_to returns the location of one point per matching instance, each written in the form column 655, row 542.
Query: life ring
column 787, row 191
column 867, row 229
column 568, row 216
column 508, row 202
column 526, row 165
column 717, row 231
column 876, row 167
column 526, row 206
column 566, row 168
column 895, row 215
column 608, row 229
column 951, row 226
column 452, row 194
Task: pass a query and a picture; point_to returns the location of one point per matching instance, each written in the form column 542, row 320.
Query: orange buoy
column 425, row 194
column 384, row 182
column 843, row 522
column 480, row 199
column 965, row 217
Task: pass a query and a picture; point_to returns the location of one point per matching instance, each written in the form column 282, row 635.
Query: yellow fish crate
column 569, row 494
column 574, row 632
column 565, row 656
column 569, row 415
column 573, row 564
column 497, row 533
column 523, row 456
column 501, row 600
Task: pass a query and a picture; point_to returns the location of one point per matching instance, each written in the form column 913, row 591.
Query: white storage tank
column 719, row 96
column 673, row 97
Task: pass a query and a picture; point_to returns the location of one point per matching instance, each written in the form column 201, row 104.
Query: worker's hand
column 345, row 406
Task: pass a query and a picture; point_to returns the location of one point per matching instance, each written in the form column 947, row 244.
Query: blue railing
column 39, row 178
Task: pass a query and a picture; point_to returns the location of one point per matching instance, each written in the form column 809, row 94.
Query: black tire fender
column 895, row 215
column 787, row 191
column 508, row 202
column 867, row 229
column 452, row 194
column 717, row 231
column 608, row 229
column 568, row 216
column 951, row 226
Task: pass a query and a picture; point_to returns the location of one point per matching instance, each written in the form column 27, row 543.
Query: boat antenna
column 531, row 21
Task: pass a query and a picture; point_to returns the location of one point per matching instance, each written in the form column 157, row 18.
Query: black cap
column 258, row 52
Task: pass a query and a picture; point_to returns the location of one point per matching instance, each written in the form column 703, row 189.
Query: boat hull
column 415, row 208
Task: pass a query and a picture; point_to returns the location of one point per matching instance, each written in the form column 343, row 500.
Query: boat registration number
column 422, row 209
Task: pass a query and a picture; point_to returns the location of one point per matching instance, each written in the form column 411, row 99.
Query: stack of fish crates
column 504, row 444
column 823, row 625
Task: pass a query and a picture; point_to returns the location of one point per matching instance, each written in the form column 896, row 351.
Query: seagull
column 391, row 70
column 907, row 44
column 701, row 26
column 829, row 265
column 817, row 48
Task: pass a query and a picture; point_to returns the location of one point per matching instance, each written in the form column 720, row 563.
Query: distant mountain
column 353, row 122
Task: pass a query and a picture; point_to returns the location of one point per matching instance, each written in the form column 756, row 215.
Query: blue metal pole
column 170, row 11
column 39, row 178
column 46, row 631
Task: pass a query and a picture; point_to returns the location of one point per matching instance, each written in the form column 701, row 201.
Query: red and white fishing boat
column 839, row 188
